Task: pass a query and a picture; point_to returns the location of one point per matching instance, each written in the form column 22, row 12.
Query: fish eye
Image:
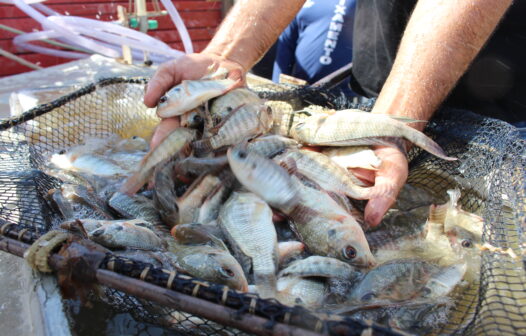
column 97, row 232
column 62, row 152
column 198, row 119
column 349, row 252
column 119, row 228
column 426, row 291
column 163, row 99
column 466, row 243
column 269, row 110
column 368, row 297
column 142, row 225
column 229, row 109
column 135, row 137
column 242, row 154
column 227, row 272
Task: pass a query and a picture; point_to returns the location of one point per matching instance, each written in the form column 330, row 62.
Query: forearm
column 440, row 41
column 250, row 29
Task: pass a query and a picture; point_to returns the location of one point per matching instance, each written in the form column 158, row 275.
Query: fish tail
column 266, row 284
column 202, row 147
column 426, row 143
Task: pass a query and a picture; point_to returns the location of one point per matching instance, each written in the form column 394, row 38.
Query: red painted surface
column 201, row 18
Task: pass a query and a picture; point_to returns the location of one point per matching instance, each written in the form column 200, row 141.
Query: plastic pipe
column 179, row 24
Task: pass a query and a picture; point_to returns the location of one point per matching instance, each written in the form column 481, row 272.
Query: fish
column 60, row 203
column 318, row 266
column 192, row 119
column 444, row 281
column 213, row 264
column 174, row 143
column 456, row 217
column 197, row 233
column 164, row 193
column 209, row 210
column 289, row 250
column 263, row 177
column 85, row 202
column 85, row 225
column 197, row 166
column 135, row 207
column 190, row 203
column 246, row 221
column 395, row 281
column 127, row 234
column 307, row 292
column 222, row 106
column 354, row 157
column 93, row 164
column 189, row 94
column 330, row 176
column 355, row 127
column 247, row 121
column 130, row 145
column 271, row 145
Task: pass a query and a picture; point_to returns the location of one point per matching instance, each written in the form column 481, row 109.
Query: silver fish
column 127, row 234
column 308, row 292
column 318, row 266
column 271, row 145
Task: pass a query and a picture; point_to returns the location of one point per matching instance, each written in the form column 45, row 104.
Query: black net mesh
column 490, row 172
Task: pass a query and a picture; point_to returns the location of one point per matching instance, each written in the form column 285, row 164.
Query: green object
column 152, row 24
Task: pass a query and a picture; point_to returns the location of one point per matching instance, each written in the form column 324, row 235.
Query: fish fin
column 289, row 249
column 202, row 147
column 454, row 196
column 216, row 128
column 437, row 213
column 290, row 165
column 404, row 119
column 184, row 85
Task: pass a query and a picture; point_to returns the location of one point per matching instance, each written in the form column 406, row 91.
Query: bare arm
column 440, row 41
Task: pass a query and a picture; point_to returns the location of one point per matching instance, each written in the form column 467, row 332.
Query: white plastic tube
column 179, row 24
column 22, row 41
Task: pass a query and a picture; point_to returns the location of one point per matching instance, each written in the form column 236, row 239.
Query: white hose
column 101, row 37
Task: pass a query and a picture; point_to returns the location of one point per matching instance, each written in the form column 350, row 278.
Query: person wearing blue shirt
column 317, row 42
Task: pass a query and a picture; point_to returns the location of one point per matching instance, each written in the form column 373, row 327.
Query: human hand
column 187, row 67
column 389, row 178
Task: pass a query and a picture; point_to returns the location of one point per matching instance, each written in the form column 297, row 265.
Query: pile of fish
column 223, row 199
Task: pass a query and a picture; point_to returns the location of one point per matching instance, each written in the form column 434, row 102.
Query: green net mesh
column 490, row 172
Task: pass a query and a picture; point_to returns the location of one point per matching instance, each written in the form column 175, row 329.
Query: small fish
column 355, row 127
column 263, row 177
column 190, row 94
column 174, row 142
column 307, row 292
column 318, row 266
column 130, row 145
column 209, row 210
column 322, row 170
column 212, row 264
column 354, row 157
column 190, row 203
column 456, row 217
column 196, row 233
column 93, row 164
column 395, row 281
column 164, row 194
column 271, row 145
column 86, row 200
column 197, row 166
column 223, row 105
column 192, row 119
column 247, row 121
column 127, row 234
column 247, row 223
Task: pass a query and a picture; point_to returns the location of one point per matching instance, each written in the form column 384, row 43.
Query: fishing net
column 490, row 173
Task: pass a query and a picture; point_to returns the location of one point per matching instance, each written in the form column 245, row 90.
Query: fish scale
column 325, row 172
column 248, row 221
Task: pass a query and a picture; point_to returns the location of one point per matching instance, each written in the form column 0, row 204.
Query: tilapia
column 289, row 250
column 456, row 217
column 263, row 177
column 272, row 145
column 85, row 203
column 130, row 145
column 354, row 157
column 135, row 207
column 197, row 166
column 395, row 281
column 308, row 292
column 192, row 119
column 197, row 233
column 174, row 142
column 189, row 204
column 355, row 127
column 209, row 210
column 247, row 223
column 127, row 234
column 93, row 164
column 223, row 105
column 326, row 173
column 189, row 94
column 164, row 194
column 212, row 264
column 444, row 281
column 318, row 266
column 247, row 121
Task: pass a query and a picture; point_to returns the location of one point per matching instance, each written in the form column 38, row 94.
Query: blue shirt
column 317, row 42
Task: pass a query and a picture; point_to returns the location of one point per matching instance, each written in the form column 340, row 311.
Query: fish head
column 133, row 144
column 192, row 119
column 106, row 235
column 170, row 102
column 348, row 243
column 265, row 116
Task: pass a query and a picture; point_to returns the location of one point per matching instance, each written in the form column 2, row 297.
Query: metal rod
column 169, row 298
column 19, row 59
column 336, row 77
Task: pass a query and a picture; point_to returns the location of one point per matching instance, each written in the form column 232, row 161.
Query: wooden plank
column 83, row 9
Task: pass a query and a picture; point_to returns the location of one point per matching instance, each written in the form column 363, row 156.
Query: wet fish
column 192, row 119
column 263, row 177
column 135, row 207
column 60, row 203
column 308, row 292
column 174, row 142
column 318, row 266
column 355, row 127
column 130, row 145
column 86, row 225
column 209, row 210
column 127, row 234
column 272, row 145
column 354, row 157
column 190, row 94
column 197, row 166
column 247, row 223
column 164, row 194
column 222, row 106
column 190, row 203
column 444, row 281
column 326, row 173
column 88, row 202
column 212, row 264
column 197, row 233
column 94, row 164
column 456, row 217
column 247, row 121
column 288, row 250
column 395, row 281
